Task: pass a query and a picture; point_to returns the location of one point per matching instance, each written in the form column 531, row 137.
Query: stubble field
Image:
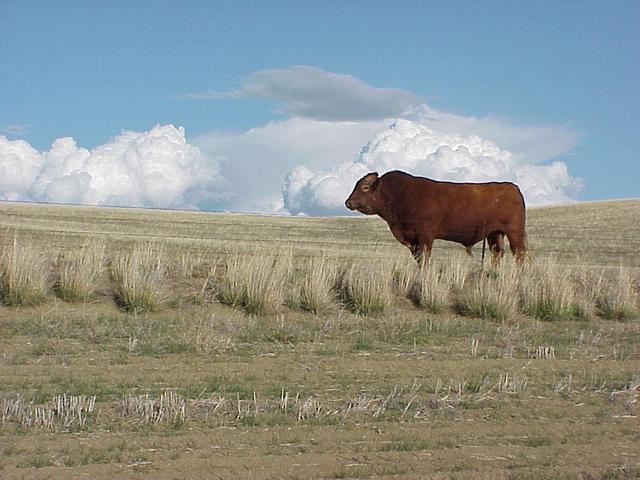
column 241, row 363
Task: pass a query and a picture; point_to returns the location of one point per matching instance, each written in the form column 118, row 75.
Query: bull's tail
column 526, row 255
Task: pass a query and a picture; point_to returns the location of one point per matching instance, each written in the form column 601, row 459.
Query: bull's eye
column 365, row 188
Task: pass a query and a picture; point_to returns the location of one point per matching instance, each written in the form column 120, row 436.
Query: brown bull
column 419, row 210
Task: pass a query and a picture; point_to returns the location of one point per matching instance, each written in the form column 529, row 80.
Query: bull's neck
column 383, row 206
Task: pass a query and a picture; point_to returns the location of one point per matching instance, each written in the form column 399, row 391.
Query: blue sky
column 91, row 70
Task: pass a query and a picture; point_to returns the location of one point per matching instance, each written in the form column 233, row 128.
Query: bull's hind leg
column 496, row 246
column 518, row 245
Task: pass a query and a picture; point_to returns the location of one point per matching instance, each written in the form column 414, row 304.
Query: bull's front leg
column 399, row 234
column 418, row 244
column 421, row 251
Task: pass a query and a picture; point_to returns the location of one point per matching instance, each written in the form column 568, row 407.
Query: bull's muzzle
column 348, row 204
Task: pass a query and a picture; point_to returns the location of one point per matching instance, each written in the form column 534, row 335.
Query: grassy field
column 265, row 381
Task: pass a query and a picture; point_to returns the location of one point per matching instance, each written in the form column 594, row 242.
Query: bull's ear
column 371, row 178
column 375, row 180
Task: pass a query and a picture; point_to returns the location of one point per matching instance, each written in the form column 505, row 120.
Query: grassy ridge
column 598, row 233
column 311, row 387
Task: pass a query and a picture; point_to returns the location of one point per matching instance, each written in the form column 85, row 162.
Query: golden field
column 216, row 345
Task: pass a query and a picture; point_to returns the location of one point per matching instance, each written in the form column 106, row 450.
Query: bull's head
column 365, row 196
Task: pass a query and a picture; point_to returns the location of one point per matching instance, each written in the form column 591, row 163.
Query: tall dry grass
column 493, row 294
column 366, row 287
column 548, row 292
column 262, row 283
column 138, row 278
column 587, row 285
column 455, row 272
column 24, row 275
column 231, row 284
column 80, row 272
column 433, row 289
column 257, row 282
column 316, row 292
column 618, row 300
column 405, row 276
column 266, row 282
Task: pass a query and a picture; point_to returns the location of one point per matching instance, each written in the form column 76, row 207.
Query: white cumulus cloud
column 19, row 164
column 415, row 148
column 256, row 161
column 157, row 168
column 320, row 193
column 532, row 143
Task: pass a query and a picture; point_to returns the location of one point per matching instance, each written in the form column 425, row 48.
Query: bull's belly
column 466, row 240
column 465, row 234
column 471, row 233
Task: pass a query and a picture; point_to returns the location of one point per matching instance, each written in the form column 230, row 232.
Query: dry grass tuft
column 512, row 383
column 548, row 293
column 24, row 272
column 587, row 286
column 258, row 282
column 619, row 299
column 455, row 272
column 405, row 276
column 265, row 282
column 433, row 290
column 492, row 294
column 64, row 410
column 80, row 272
column 543, row 353
column 169, row 407
column 317, row 288
column 138, row 278
column 366, row 287
column 231, row 285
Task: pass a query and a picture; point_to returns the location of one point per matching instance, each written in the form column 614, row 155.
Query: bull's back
column 477, row 198
column 501, row 199
column 429, row 200
column 463, row 212
column 420, row 208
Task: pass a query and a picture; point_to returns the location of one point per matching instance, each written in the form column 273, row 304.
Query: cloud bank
column 157, row 168
column 413, row 147
column 297, row 166
column 338, row 129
